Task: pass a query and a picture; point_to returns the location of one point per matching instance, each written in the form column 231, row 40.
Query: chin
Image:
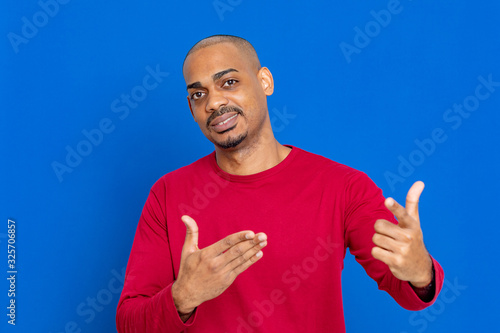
column 231, row 142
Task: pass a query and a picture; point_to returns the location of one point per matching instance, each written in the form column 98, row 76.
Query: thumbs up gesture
column 205, row 273
column 401, row 246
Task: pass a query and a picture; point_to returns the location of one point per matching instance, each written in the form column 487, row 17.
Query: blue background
column 366, row 109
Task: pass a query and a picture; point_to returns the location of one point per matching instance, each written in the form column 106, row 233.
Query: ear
column 266, row 81
column 190, row 108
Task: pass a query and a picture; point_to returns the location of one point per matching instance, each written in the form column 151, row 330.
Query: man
column 253, row 195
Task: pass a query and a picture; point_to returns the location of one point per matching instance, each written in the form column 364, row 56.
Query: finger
column 413, row 197
column 404, row 219
column 229, row 241
column 383, row 255
column 244, row 257
column 386, row 243
column 390, row 229
column 246, row 264
column 241, row 248
column 191, row 241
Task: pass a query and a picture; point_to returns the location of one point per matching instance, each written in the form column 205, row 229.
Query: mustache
column 222, row 110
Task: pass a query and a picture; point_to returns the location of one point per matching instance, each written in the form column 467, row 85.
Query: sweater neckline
column 256, row 176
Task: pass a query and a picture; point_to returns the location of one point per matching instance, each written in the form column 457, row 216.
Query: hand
column 205, row 273
column 401, row 246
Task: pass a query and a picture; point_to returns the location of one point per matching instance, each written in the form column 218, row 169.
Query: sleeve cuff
column 172, row 311
column 418, row 303
column 426, row 293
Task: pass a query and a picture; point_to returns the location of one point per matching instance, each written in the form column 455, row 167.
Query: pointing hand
column 401, row 246
column 206, row 273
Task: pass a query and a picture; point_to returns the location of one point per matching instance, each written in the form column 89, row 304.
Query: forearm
column 406, row 296
column 151, row 314
column 426, row 293
column 183, row 309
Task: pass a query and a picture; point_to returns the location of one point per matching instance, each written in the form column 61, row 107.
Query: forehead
column 205, row 62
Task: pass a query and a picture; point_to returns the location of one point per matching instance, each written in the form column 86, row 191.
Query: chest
column 302, row 221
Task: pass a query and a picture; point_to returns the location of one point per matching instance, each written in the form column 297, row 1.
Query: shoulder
column 322, row 172
column 318, row 164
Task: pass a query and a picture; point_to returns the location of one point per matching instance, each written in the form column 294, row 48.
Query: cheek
column 198, row 113
column 202, row 124
column 200, row 121
column 256, row 110
column 250, row 104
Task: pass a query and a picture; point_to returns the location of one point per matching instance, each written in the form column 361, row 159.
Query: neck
column 251, row 158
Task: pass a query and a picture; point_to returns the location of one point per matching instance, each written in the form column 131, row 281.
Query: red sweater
column 311, row 209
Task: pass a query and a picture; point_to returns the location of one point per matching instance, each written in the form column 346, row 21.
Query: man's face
column 227, row 94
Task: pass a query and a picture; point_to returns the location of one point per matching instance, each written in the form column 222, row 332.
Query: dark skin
column 401, row 246
column 245, row 87
column 230, row 78
column 223, row 77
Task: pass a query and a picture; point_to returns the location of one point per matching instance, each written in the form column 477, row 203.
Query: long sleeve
column 146, row 303
column 365, row 204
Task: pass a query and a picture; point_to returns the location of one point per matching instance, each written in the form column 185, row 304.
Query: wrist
column 427, row 281
column 426, row 293
column 427, row 278
column 422, row 284
column 183, row 308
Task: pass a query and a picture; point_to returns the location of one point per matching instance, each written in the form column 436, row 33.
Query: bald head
column 244, row 47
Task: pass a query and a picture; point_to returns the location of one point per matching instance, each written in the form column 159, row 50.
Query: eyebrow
column 220, row 74
column 215, row 77
column 196, row 84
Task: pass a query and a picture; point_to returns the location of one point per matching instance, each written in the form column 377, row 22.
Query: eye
column 229, row 83
column 197, row 95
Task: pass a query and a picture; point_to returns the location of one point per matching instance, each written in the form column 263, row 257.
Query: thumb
column 412, row 199
column 191, row 242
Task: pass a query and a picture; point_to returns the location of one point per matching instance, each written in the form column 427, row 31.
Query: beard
column 230, row 142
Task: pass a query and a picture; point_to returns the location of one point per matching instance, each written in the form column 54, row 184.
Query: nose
column 215, row 101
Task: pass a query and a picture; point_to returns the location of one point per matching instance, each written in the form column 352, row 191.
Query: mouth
column 224, row 122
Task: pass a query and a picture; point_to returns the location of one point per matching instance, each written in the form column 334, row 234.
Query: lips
column 224, row 122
